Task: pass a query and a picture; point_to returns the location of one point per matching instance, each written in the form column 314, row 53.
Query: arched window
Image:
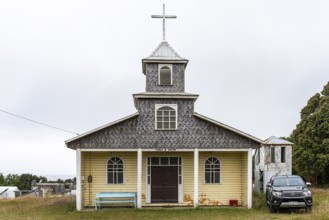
column 166, row 118
column 165, row 75
column 212, row 170
column 115, row 170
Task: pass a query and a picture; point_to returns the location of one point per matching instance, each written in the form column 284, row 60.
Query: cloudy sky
column 75, row 65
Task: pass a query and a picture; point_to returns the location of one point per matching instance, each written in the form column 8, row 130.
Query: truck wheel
column 308, row 209
column 272, row 209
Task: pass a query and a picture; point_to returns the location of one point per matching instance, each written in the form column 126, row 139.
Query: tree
column 12, row 180
column 2, row 180
column 311, row 138
column 26, row 181
column 23, row 181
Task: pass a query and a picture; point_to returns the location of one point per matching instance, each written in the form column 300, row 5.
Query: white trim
column 229, row 128
column 102, row 127
column 78, row 180
column 157, row 107
column 164, row 95
column 148, row 95
column 160, row 150
column 181, row 185
column 196, row 178
column 107, row 150
column 204, row 171
column 250, row 178
column 224, row 150
column 148, row 186
column 139, row 178
column 171, row 74
column 107, row 172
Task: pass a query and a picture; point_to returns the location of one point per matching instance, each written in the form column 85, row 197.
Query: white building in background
column 274, row 157
column 9, row 192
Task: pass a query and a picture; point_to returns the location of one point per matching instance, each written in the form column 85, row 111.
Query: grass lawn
column 64, row 208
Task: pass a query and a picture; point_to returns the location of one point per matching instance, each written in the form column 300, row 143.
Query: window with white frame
column 165, row 74
column 166, row 117
column 115, row 170
column 212, row 170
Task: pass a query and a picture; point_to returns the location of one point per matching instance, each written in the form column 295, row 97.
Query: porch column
column 249, row 178
column 196, row 177
column 139, row 178
column 78, row 179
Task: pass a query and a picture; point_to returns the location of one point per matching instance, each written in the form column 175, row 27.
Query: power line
column 40, row 123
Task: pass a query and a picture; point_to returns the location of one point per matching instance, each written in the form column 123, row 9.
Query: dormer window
column 165, row 74
column 165, row 117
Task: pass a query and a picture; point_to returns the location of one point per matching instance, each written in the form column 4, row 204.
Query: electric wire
column 37, row 122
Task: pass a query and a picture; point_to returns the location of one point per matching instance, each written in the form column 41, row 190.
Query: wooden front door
column 164, row 184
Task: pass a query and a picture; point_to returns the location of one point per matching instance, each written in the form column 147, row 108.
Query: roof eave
column 168, row 61
column 162, row 96
column 100, row 128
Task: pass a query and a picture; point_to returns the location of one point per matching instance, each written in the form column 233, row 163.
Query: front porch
column 186, row 169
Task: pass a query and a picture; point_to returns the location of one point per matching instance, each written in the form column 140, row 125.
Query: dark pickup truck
column 288, row 192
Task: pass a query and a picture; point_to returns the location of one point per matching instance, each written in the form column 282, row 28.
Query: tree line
column 24, row 181
column 311, row 140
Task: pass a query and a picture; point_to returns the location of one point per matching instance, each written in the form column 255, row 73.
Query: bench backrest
column 115, row 194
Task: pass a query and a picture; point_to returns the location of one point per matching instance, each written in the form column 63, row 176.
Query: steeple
column 164, row 68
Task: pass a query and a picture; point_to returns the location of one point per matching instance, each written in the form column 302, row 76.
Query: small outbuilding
column 273, row 158
column 9, row 192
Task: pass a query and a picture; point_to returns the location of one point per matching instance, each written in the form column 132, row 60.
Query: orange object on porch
column 233, row 202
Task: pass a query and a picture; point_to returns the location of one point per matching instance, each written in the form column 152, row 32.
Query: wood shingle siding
column 139, row 131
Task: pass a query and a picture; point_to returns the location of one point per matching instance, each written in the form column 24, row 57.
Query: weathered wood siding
column 95, row 164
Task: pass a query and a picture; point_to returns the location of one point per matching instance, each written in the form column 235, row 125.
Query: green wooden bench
column 114, row 198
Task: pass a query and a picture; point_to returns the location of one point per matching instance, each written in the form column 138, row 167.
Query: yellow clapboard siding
column 230, row 186
column 94, row 164
column 233, row 176
column 244, row 179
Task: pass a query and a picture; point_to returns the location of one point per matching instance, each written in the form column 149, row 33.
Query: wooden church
column 165, row 152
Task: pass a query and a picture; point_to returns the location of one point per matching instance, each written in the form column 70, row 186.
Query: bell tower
column 164, row 68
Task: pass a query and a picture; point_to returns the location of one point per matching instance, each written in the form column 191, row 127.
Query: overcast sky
column 75, row 65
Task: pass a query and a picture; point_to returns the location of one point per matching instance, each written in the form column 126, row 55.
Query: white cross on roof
column 164, row 16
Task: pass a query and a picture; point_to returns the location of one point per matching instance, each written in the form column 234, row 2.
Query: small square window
column 173, row 161
column 164, row 161
column 155, row 160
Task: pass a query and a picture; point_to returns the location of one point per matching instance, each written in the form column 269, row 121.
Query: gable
column 139, row 132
